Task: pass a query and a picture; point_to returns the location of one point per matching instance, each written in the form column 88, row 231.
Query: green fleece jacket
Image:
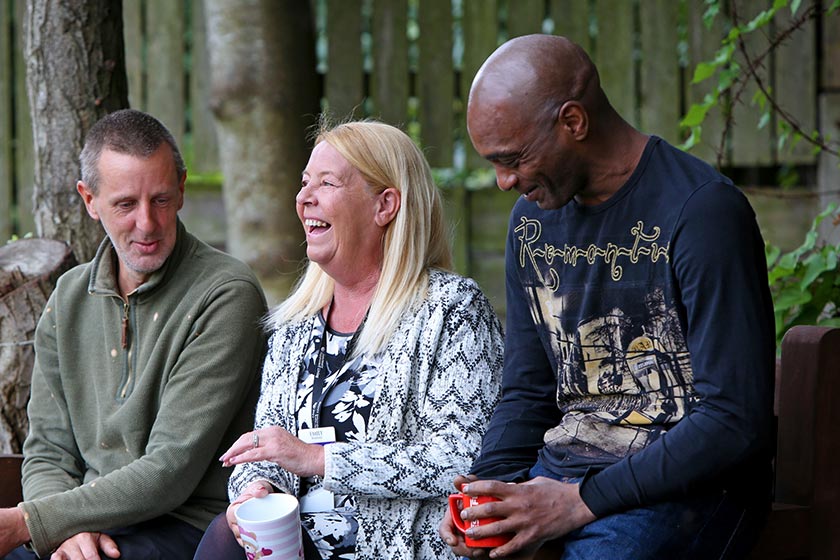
column 133, row 401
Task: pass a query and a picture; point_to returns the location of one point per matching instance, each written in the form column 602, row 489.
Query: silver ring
column 256, row 440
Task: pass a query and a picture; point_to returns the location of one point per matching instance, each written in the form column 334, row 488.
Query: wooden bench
column 805, row 520
column 10, row 490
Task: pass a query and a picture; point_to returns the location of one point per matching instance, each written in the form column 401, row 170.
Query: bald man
column 636, row 420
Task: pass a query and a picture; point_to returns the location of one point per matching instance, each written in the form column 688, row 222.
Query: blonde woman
column 380, row 345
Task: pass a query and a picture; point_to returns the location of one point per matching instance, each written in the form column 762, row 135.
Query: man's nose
column 505, row 179
column 146, row 218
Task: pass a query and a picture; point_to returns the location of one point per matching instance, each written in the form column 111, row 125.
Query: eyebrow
column 496, row 156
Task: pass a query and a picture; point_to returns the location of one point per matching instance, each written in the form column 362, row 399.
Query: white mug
column 270, row 527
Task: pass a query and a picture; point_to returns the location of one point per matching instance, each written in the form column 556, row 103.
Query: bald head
column 536, row 73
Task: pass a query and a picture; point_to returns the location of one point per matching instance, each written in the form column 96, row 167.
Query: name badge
column 320, row 436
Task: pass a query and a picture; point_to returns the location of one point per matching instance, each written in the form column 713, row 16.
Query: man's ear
column 181, row 184
column 574, row 120
column 87, row 197
column 387, row 206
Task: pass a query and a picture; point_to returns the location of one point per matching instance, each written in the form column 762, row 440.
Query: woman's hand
column 257, row 489
column 278, row 446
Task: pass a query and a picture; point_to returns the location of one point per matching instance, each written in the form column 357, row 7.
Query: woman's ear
column 387, row 206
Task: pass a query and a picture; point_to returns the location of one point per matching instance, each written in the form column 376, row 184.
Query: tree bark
column 29, row 270
column 264, row 95
column 75, row 74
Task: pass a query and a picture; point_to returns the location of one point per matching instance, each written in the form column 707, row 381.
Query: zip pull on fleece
column 124, row 337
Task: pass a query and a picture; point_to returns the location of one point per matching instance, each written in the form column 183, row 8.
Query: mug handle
column 454, row 511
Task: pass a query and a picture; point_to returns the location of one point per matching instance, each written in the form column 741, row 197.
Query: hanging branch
column 752, row 72
column 733, row 81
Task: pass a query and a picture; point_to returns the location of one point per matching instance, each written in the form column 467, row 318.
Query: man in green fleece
column 146, row 361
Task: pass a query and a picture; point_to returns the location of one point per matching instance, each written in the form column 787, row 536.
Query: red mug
column 458, row 502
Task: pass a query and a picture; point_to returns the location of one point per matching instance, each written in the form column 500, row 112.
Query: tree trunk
column 29, row 270
column 264, row 95
column 75, row 74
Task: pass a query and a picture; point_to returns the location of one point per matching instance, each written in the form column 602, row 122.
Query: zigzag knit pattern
column 441, row 379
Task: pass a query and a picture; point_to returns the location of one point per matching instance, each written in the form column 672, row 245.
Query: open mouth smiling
column 527, row 194
column 313, row 225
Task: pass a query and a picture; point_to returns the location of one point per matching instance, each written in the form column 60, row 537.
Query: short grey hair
column 130, row 132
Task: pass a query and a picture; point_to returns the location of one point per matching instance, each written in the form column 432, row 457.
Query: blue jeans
column 161, row 538
column 704, row 526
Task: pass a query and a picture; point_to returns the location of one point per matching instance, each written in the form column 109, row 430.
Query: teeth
column 315, row 223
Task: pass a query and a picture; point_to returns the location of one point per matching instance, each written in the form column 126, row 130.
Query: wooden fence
column 410, row 62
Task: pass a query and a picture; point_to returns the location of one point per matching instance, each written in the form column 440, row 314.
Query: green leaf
column 759, row 99
column 831, row 322
column 693, row 139
column 835, row 5
column 765, row 118
column 780, row 142
column 814, row 266
column 727, row 76
column 696, row 115
column 724, row 54
column 794, row 7
column 771, row 253
column 791, row 297
column 830, row 258
column 710, row 13
column 789, row 260
column 780, row 271
column 703, row 71
column 760, row 20
column 734, row 33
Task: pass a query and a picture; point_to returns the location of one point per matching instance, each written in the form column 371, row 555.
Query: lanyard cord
column 318, row 389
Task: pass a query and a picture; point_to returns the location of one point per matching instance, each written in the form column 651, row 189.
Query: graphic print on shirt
column 622, row 365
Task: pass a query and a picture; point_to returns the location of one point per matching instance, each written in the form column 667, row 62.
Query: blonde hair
column 414, row 241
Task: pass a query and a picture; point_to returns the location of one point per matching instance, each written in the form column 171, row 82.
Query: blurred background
column 199, row 65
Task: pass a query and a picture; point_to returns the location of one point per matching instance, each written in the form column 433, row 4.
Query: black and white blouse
column 437, row 382
column 343, row 401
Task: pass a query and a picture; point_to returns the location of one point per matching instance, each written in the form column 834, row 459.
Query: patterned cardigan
column 426, row 424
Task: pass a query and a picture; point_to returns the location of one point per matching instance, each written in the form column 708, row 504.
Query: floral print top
column 344, row 403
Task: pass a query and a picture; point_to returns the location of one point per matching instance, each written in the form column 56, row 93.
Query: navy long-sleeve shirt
column 640, row 341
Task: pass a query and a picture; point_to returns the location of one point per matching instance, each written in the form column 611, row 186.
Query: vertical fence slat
column 479, row 24
column 751, row 145
column 164, row 68
column 828, row 180
column 796, row 79
column 133, row 40
column 524, row 17
column 390, row 61
column 457, row 214
column 571, row 20
column 702, row 45
column 489, row 211
column 205, row 145
column 614, row 55
column 24, row 148
column 436, row 81
column 831, row 51
column 660, row 69
column 828, row 177
column 6, row 113
column 344, row 80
